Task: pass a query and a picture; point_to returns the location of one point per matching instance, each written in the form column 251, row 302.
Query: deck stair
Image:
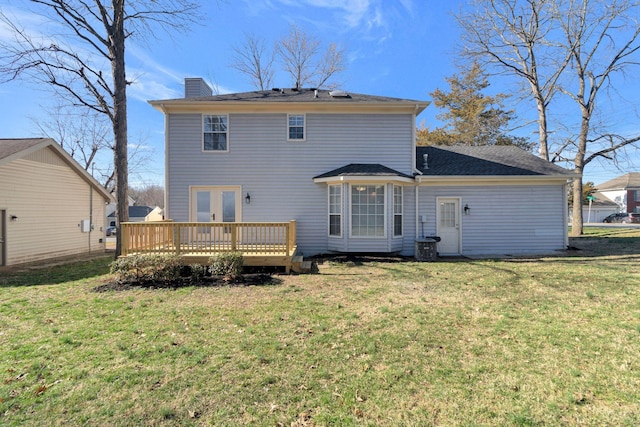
column 299, row 265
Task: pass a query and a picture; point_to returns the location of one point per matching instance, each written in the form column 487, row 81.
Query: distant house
column 49, row 205
column 157, row 214
column 136, row 214
column 346, row 168
column 599, row 208
column 623, row 190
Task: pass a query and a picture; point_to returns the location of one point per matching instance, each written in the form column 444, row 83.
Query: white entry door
column 448, row 225
column 215, row 204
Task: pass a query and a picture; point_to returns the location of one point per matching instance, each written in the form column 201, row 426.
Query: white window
column 397, row 210
column 214, row 133
column 367, row 210
column 335, row 210
column 296, row 130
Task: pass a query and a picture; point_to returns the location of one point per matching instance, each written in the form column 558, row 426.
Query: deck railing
column 274, row 238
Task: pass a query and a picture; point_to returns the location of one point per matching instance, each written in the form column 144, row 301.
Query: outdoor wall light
column 247, row 199
column 13, row 218
column 467, row 209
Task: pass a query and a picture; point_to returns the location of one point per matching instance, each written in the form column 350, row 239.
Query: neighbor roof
column 135, row 212
column 490, row 160
column 627, row 181
column 13, row 149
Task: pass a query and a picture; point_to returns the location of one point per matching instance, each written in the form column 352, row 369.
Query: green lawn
column 550, row 341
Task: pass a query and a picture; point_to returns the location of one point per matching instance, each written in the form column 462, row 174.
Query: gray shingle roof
column 488, row 160
column 362, row 169
column 9, row 147
column 628, row 181
column 292, row 95
column 135, row 212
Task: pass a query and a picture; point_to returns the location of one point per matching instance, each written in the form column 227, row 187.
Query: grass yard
column 521, row 342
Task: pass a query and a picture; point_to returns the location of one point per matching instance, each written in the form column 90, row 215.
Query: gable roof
column 628, row 181
column 135, row 212
column 485, row 161
column 308, row 98
column 13, row 149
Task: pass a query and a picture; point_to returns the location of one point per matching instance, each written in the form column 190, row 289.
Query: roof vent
column 425, row 159
column 338, row 94
column 315, row 93
column 275, row 89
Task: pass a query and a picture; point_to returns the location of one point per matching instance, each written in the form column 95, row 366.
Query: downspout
column 565, row 201
column 90, row 214
column 416, row 171
column 166, row 212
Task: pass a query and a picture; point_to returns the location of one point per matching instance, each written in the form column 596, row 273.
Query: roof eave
column 363, row 178
column 480, row 179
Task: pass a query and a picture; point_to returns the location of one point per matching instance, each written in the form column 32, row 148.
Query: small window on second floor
column 214, row 133
column 296, row 130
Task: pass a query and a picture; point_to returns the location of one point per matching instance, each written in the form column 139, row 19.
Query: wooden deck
column 261, row 243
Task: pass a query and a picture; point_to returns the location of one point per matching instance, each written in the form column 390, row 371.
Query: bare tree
column 571, row 47
column 300, row 55
column 70, row 59
column 148, row 195
column 252, row 59
column 301, row 58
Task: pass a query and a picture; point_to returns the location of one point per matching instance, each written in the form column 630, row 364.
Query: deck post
column 234, row 237
column 176, row 237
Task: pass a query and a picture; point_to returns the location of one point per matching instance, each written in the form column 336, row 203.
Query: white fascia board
column 474, row 180
column 366, row 179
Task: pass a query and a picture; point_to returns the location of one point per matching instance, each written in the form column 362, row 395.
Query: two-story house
column 346, row 168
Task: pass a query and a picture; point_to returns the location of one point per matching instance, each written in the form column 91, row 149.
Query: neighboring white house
column 346, row 167
column 599, row 208
column 40, row 181
column 624, row 191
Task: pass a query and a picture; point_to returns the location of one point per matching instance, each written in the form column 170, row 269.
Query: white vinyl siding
column 503, row 219
column 279, row 175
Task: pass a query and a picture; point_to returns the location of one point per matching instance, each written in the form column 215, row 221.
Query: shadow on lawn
column 55, row 272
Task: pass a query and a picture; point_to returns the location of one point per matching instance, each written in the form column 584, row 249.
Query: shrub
column 198, row 272
column 147, row 268
column 227, row 264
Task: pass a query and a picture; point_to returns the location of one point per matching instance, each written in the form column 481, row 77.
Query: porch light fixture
column 467, row 209
column 247, row 199
column 13, row 218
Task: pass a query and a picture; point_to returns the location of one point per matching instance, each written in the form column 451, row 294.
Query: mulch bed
column 259, row 279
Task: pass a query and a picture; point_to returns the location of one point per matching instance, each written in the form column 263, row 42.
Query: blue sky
column 396, row 48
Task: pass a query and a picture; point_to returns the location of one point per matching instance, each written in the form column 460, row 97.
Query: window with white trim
column 367, row 210
column 296, row 128
column 335, row 210
column 397, row 210
column 214, row 130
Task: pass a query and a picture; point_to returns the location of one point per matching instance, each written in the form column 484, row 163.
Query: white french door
column 215, row 204
column 448, row 225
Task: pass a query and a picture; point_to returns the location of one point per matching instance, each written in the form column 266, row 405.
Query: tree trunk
column 576, row 222
column 120, row 161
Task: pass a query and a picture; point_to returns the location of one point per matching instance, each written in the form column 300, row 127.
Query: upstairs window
column 215, row 133
column 296, row 127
